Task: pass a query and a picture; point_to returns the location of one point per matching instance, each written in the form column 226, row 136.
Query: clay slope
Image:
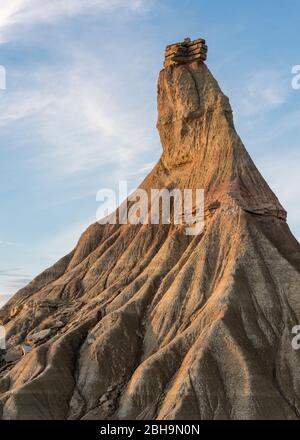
column 145, row 322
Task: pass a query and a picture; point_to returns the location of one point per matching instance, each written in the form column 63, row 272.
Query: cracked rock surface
column 145, row 322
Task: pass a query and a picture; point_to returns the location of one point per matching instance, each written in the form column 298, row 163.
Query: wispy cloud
column 11, row 280
column 22, row 104
column 27, row 13
column 263, row 91
column 78, row 116
column 70, row 119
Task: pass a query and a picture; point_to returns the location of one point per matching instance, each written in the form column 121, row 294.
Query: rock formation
column 185, row 52
column 145, row 322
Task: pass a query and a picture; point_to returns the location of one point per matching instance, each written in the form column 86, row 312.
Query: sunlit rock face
column 145, row 322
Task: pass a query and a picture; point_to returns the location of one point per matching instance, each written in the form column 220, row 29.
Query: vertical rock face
column 145, row 322
column 196, row 129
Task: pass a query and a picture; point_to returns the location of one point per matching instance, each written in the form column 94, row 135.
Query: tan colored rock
column 186, row 42
column 39, row 336
column 15, row 311
column 185, row 52
column 164, row 325
column 25, row 349
column 57, row 325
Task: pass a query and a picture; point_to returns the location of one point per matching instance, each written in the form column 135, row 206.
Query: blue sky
column 79, row 110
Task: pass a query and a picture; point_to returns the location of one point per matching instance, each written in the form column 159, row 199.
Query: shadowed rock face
column 144, row 322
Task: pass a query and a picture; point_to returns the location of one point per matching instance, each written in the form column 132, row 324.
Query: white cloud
column 263, row 92
column 22, row 104
column 11, row 280
column 78, row 118
column 79, row 122
column 19, row 16
column 30, row 12
column 8, row 10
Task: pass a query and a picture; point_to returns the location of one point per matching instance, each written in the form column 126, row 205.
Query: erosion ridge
column 145, row 322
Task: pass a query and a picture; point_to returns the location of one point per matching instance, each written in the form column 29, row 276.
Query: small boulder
column 25, row 349
column 103, row 399
column 15, row 310
column 57, row 325
column 111, row 388
column 39, row 336
column 13, row 355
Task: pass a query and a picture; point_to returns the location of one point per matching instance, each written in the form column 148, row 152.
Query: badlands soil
column 145, row 322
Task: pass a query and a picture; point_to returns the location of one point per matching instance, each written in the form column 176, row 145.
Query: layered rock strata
column 186, row 52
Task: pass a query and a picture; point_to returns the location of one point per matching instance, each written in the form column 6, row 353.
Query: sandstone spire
column 145, row 322
column 197, row 133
